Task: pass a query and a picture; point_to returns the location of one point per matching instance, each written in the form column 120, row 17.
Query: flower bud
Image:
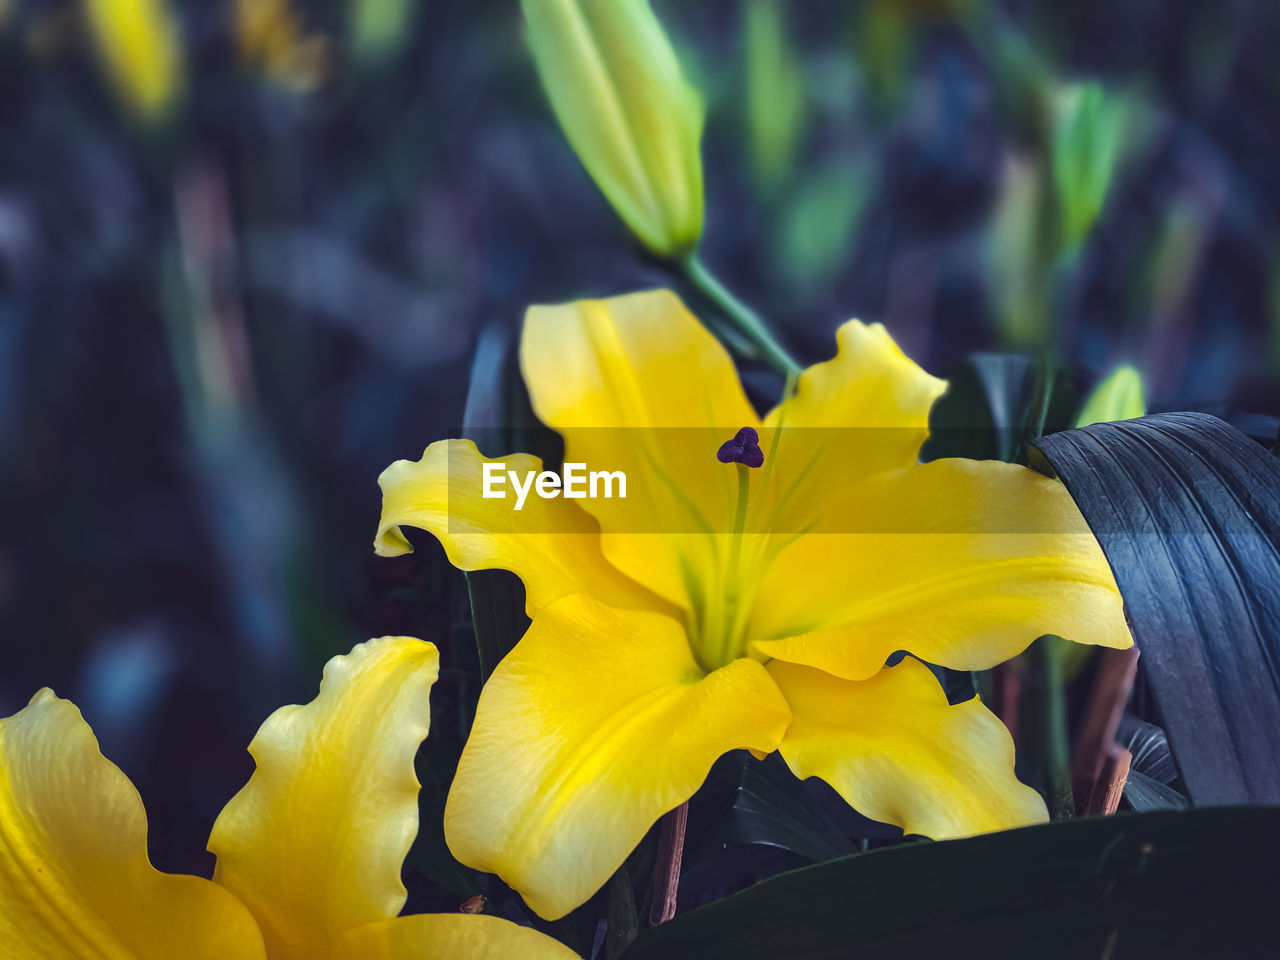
column 617, row 90
column 1121, row 396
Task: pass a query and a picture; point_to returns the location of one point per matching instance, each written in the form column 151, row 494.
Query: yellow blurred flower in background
column 140, row 46
column 272, row 41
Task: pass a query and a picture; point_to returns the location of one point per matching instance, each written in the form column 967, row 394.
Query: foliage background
column 216, row 331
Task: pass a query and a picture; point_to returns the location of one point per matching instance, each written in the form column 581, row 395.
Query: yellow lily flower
column 309, row 852
column 723, row 606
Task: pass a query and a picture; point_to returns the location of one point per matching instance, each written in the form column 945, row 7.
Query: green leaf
column 1148, row 793
column 983, row 414
column 771, row 807
column 775, row 94
column 429, row 854
column 1193, row 883
column 379, row 28
column 1087, row 141
column 820, row 220
column 1187, row 510
column 624, row 921
column 1149, row 748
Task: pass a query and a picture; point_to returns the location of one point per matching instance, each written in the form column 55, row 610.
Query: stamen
column 744, row 448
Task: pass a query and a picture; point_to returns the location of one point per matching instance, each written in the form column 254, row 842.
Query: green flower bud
column 1121, row 396
column 617, row 90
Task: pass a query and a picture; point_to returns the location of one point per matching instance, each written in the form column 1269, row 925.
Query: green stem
column 743, row 317
column 1049, row 704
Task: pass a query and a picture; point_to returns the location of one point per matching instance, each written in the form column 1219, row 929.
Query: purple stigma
column 744, row 448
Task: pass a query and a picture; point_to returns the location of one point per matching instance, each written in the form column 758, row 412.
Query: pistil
column 723, row 620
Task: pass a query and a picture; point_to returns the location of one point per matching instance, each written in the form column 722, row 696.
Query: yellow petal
column 635, row 383
column 597, row 723
column 314, row 842
column 449, row 937
column 968, row 562
column 75, row 880
column 551, row 544
column 863, row 412
column 898, row 752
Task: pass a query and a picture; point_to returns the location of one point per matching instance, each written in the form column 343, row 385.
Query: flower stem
column 1049, row 723
column 744, row 318
column 666, row 872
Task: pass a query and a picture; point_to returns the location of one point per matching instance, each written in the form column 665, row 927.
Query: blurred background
column 249, row 251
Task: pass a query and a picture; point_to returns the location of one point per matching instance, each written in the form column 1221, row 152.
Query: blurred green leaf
column 1087, row 136
column 775, row 94
column 379, row 27
column 821, row 220
column 1131, row 885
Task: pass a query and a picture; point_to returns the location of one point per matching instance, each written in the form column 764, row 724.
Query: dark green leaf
column 772, row 807
column 1147, row 793
column 624, row 922
column 983, row 414
column 497, row 615
column 1149, row 748
column 493, row 419
column 1195, row 883
column 1187, row 510
column 429, row 854
column 977, row 416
